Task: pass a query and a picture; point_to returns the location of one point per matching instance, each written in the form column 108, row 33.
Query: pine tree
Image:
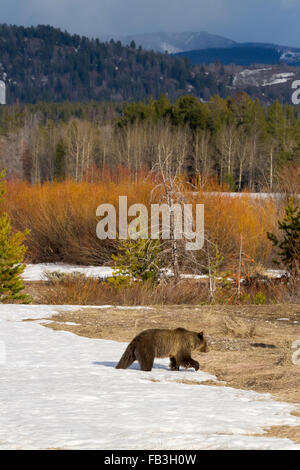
column 290, row 245
column 12, row 252
column 137, row 260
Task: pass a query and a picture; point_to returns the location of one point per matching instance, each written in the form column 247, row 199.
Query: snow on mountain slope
column 59, row 390
column 177, row 42
column 261, row 77
column 164, row 46
column 279, row 78
column 290, row 57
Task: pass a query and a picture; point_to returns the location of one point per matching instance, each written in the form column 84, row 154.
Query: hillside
column 46, row 64
column 244, row 54
column 234, row 55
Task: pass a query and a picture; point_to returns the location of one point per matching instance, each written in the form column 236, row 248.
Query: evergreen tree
column 12, row 252
column 137, row 260
column 290, row 244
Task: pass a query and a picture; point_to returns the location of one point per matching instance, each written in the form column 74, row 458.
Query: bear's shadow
column 135, row 365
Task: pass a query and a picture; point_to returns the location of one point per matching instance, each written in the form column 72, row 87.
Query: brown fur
column 176, row 344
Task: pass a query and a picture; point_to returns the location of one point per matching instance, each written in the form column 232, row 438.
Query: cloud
column 117, row 16
column 247, row 20
column 290, row 3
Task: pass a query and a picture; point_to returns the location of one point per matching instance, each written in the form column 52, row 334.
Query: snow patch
column 278, row 78
column 261, row 77
column 36, row 272
column 290, row 57
column 164, row 46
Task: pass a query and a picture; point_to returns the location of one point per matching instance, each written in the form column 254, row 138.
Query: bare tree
column 172, row 149
column 81, row 139
column 202, row 152
column 227, row 140
column 242, row 155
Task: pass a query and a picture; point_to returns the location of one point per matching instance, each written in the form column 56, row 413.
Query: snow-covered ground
column 36, row 272
column 59, row 390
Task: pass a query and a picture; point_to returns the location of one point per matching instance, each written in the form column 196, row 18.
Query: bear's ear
column 200, row 335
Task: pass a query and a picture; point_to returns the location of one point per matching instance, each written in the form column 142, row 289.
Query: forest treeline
column 235, row 141
column 48, row 64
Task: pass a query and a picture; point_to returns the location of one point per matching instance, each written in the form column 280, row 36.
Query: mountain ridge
column 213, row 48
column 182, row 41
column 187, row 41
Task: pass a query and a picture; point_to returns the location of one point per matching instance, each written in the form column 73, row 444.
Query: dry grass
column 77, row 289
column 70, row 289
column 238, row 328
column 283, row 432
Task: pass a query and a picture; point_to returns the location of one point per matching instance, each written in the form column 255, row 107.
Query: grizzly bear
column 176, row 344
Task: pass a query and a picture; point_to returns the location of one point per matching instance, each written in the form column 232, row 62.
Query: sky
column 275, row 21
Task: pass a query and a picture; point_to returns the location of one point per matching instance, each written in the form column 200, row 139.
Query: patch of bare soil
column 249, row 347
column 283, row 432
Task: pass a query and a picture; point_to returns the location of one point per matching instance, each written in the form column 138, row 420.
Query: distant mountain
column 245, row 54
column 234, row 55
column 176, row 42
column 204, row 48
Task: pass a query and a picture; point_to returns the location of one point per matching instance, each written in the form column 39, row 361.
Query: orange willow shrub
column 62, row 218
column 230, row 219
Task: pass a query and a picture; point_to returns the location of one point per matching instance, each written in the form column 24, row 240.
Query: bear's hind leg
column 145, row 359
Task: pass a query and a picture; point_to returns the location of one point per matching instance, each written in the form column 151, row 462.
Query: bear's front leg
column 173, row 363
column 189, row 362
